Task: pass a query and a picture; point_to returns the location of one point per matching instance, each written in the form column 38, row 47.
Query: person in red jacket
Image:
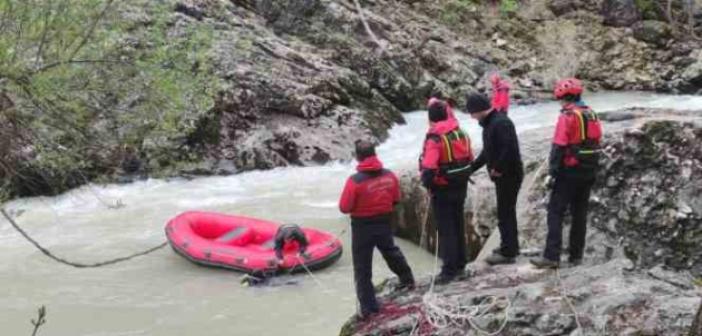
column 445, row 170
column 573, row 164
column 369, row 196
column 500, row 94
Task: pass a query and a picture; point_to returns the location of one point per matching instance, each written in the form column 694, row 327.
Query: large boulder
column 645, row 204
column 654, row 32
column 414, row 218
column 561, row 7
column 620, row 13
column 692, row 75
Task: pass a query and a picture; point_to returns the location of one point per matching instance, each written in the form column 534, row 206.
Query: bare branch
column 45, row 31
column 91, row 30
column 368, row 29
column 62, row 63
column 41, row 319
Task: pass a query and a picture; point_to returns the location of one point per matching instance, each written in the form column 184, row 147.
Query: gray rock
column 620, row 13
column 655, row 32
column 560, row 7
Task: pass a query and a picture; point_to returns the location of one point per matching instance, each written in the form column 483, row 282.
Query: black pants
column 507, row 189
column 366, row 235
column 448, row 214
column 574, row 193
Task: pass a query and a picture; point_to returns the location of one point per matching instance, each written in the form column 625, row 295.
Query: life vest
column 455, row 157
column 584, row 145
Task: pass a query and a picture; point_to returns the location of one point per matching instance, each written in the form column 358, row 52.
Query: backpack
column 588, row 151
column 455, row 171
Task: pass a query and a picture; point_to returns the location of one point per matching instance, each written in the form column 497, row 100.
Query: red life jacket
column 448, row 150
column 582, row 136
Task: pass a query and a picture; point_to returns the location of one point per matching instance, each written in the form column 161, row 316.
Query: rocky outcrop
column 305, row 78
column 620, row 13
column 301, row 80
column 696, row 329
column 655, row 32
column 414, row 219
column 640, row 269
column 645, row 204
column 609, row 298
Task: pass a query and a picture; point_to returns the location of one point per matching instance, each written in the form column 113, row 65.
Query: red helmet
column 568, row 86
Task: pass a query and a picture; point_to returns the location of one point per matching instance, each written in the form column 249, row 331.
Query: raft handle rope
column 48, row 253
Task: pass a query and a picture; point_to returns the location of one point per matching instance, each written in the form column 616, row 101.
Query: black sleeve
column 479, row 162
column 555, row 159
column 428, row 178
column 299, row 235
column 506, row 145
column 279, row 242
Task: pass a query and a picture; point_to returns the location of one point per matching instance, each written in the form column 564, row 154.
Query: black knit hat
column 437, row 112
column 476, row 102
column 364, row 149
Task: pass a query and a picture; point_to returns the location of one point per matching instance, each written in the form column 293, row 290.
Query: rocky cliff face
column 303, row 79
column 640, row 266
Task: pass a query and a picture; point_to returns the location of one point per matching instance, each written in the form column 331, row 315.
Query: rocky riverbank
column 302, row 79
column 642, row 269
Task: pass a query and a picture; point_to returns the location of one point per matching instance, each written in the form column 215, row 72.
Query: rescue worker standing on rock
column 504, row 164
column 573, row 164
column 445, row 170
column 370, row 196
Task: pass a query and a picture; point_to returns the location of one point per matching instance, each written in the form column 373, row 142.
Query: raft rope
column 446, row 312
column 564, row 297
column 48, row 253
column 319, row 283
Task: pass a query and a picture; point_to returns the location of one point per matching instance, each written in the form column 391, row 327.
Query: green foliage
column 508, row 6
column 648, row 8
column 89, row 78
column 453, row 10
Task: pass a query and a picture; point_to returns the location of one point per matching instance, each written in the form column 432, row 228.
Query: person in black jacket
column 504, row 165
column 286, row 234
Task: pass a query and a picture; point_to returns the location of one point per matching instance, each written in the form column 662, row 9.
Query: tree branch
column 41, row 319
column 368, row 28
column 62, row 63
column 91, row 30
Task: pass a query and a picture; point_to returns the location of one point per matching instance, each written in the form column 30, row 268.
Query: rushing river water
column 162, row 293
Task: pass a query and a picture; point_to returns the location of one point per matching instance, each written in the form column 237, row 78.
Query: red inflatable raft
column 245, row 244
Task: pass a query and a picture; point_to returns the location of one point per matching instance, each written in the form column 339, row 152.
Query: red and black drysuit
column 573, row 164
column 369, row 196
column 447, row 149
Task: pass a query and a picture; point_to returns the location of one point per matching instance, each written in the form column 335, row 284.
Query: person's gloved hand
column 304, row 255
